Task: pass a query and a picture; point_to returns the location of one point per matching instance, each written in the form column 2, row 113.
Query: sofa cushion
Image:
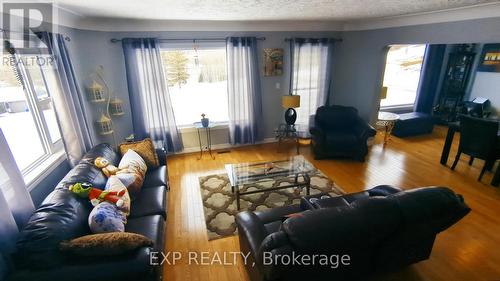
column 331, row 202
column 131, row 266
column 353, row 226
column 149, row 226
column 436, row 207
column 86, row 172
column 343, row 139
column 277, row 214
column 61, row 216
column 151, row 201
column 336, row 117
column 156, row 177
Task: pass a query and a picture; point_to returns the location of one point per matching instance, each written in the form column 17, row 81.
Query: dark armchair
column 338, row 131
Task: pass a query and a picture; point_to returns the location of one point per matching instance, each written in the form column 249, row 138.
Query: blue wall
column 91, row 48
column 359, row 59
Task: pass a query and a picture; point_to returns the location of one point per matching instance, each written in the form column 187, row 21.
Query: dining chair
column 478, row 139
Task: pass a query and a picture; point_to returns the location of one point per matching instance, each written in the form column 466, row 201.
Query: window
column 197, row 83
column 27, row 116
column 311, row 74
column 402, row 74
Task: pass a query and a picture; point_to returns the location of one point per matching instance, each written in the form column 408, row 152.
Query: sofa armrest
column 383, row 190
column 364, row 130
column 162, row 156
column 251, row 231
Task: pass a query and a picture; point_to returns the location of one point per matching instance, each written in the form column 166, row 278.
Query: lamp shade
column 290, row 101
column 383, row 93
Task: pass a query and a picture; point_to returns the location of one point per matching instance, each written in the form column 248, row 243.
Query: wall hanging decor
column 273, row 62
column 116, row 107
column 490, row 58
column 96, row 92
column 100, row 92
column 105, row 125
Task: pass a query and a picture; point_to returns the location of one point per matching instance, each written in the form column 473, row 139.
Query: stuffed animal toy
column 103, row 164
column 131, row 170
column 96, row 196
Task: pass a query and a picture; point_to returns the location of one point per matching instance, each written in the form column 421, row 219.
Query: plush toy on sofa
column 130, row 171
column 96, row 195
column 103, row 164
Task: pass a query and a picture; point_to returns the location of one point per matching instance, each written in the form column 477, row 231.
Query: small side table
column 387, row 120
column 291, row 132
column 199, row 127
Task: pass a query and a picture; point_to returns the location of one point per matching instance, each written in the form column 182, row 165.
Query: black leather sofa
column 381, row 230
column 63, row 216
column 338, row 131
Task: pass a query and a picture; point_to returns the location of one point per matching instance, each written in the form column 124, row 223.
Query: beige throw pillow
column 105, row 244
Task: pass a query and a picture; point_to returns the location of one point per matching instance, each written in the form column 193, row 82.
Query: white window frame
column 406, row 106
column 53, row 151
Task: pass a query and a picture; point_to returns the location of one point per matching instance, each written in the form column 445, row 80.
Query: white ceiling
column 260, row 10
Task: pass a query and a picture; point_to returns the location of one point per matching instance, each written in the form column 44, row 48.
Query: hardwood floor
column 469, row 250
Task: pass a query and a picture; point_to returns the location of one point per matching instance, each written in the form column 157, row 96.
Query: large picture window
column 197, row 81
column 27, row 116
column 311, row 75
column 402, row 75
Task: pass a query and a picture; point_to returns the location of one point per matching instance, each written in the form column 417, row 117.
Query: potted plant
column 204, row 121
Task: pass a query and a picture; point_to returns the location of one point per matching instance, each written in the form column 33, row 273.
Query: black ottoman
column 413, row 124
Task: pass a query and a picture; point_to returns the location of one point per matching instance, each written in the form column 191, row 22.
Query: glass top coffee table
column 297, row 168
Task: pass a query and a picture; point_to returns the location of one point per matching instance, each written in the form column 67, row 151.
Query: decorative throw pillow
column 105, row 244
column 144, row 148
column 106, row 217
column 132, row 170
column 115, row 184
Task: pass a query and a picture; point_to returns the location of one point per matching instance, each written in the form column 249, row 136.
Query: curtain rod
column 114, row 40
column 334, row 39
column 67, row 38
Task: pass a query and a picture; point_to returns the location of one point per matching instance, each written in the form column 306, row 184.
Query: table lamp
column 383, row 93
column 290, row 102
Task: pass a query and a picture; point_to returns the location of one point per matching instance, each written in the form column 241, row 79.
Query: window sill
column 34, row 177
column 397, row 108
column 191, row 128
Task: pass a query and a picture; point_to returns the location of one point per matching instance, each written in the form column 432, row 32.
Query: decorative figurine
column 204, row 121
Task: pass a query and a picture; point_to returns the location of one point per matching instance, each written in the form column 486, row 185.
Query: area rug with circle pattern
column 219, row 202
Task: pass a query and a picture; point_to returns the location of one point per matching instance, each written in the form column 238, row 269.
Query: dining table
column 454, row 127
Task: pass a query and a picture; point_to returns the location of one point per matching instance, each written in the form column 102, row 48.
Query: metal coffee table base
column 306, row 183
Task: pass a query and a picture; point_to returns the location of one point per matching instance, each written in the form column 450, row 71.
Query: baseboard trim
column 220, row 146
